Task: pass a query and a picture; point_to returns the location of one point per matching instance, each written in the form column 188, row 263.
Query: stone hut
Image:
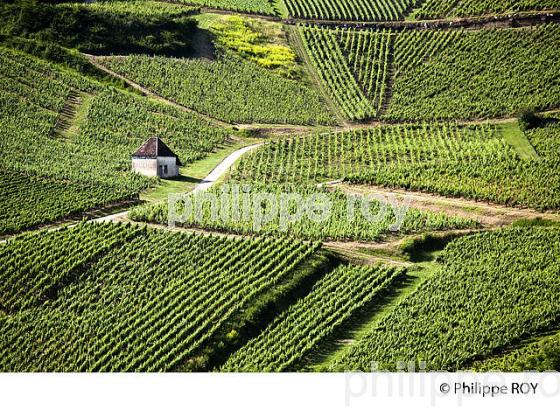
column 155, row 159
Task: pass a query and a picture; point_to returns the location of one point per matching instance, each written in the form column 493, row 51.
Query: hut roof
column 153, row 148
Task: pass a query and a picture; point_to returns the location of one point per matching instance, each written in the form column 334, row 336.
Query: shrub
column 528, row 120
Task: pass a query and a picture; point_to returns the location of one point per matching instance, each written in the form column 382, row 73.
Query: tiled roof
column 154, row 148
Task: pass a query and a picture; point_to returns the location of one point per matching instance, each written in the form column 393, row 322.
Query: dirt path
column 507, row 20
column 222, row 168
column 282, row 130
column 488, row 215
column 265, row 130
column 352, row 254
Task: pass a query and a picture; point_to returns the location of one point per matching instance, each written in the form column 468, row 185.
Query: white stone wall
column 172, row 168
column 151, row 167
column 145, row 166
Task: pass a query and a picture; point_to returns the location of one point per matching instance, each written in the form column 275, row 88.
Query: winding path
column 214, row 176
column 222, row 168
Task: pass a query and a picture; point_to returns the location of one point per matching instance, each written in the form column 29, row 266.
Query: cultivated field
column 434, row 75
column 455, row 316
column 64, row 133
column 431, row 129
column 475, row 161
column 107, row 292
column 230, row 89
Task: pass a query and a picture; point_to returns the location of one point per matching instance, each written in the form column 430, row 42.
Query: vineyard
column 453, row 160
column 515, row 69
column 363, row 183
column 27, row 200
column 91, row 166
column 430, row 9
column 340, row 223
column 351, row 10
column 250, row 6
column 540, row 355
column 415, row 75
column 363, row 10
column 143, row 301
column 230, row 89
column 135, row 7
column 455, row 316
column 336, row 75
column 295, row 333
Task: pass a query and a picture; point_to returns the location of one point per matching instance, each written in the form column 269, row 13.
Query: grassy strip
column 327, row 352
column 518, row 141
column 295, row 40
column 192, row 174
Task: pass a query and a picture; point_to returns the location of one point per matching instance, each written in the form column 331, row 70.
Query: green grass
column 80, row 117
column 280, row 8
column 518, row 141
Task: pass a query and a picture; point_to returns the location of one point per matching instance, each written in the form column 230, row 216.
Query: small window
column 165, row 170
